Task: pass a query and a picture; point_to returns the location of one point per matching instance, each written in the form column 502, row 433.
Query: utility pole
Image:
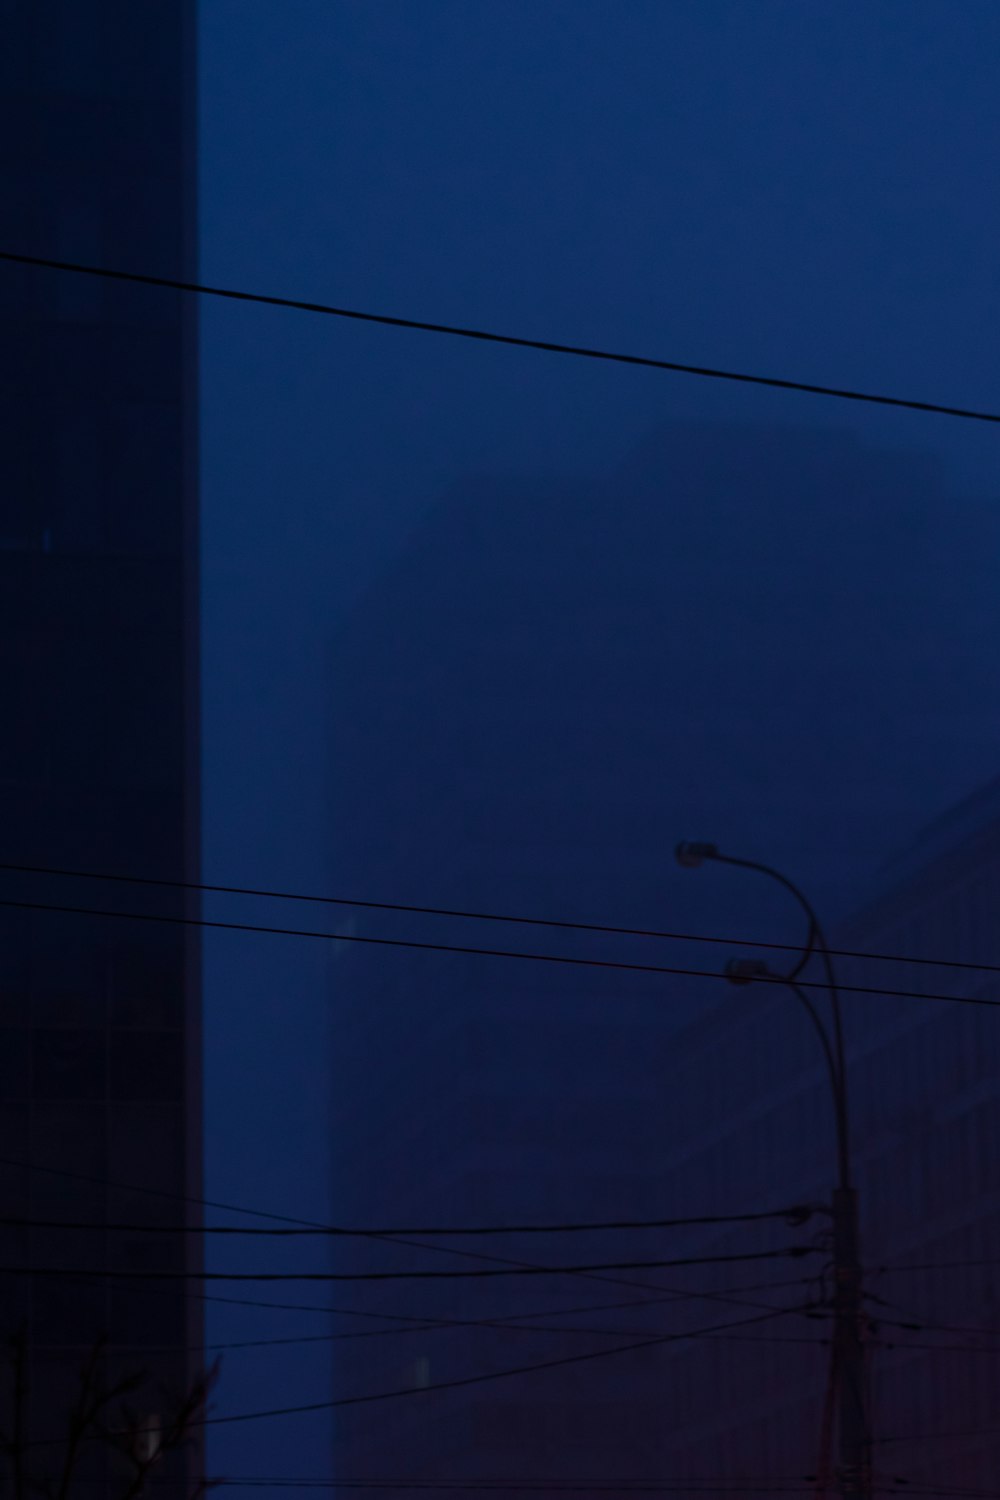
column 853, row 1423
column 855, row 1441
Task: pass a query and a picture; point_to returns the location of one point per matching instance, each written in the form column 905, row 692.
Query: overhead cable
column 669, row 1293
column 707, row 1484
column 547, row 958
column 409, row 1392
column 484, row 916
column 789, row 1252
column 796, row 1214
column 548, row 346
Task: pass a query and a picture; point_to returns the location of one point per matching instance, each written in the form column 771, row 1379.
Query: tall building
column 98, row 756
column 543, row 695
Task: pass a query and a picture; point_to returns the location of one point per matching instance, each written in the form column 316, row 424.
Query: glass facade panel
column 69, row 1063
column 147, row 1065
column 98, row 653
column 15, row 1063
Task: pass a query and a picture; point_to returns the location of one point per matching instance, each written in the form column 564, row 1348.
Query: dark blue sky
column 802, row 189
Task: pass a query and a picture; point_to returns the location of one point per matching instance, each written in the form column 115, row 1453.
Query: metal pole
column 854, row 1434
column 854, row 1437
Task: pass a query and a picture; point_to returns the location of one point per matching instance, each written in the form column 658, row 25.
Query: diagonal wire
column 672, row 1293
column 579, row 351
column 483, row 916
column 790, row 1252
column 460, row 1382
column 796, row 1213
column 547, row 958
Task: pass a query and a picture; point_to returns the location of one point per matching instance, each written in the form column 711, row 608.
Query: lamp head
column 690, row 855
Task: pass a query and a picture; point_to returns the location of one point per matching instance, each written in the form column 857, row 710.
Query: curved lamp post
column 849, row 1352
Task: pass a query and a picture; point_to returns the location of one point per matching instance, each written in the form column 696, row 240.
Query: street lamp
column 854, row 1434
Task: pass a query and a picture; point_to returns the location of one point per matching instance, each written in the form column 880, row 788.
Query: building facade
column 98, row 759
column 527, row 718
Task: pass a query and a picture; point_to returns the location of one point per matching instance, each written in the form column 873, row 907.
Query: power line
column 508, row 1323
column 917, row 1323
column 921, row 1325
column 684, row 1488
column 672, row 1296
column 481, row 335
column 790, row 1252
column 425, row 1323
column 924, row 1325
column 504, row 1326
column 487, row 1377
column 941, row 1489
column 468, row 1380
column 673, row 1293
column 796, row 1214
column 547, row 958
column 939, row 1265
column 938, row 1348
column 633, row 1303
column 933, row 1437
column 708, row 1484
column 936, row 1491
column 151, row 1192
column 699, row 1485
column 486, row 916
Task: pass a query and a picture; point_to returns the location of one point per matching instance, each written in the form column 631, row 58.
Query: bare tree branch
column 103, row 1412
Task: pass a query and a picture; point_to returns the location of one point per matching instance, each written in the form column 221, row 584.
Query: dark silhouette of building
column 98, row 591
column 747, row 636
